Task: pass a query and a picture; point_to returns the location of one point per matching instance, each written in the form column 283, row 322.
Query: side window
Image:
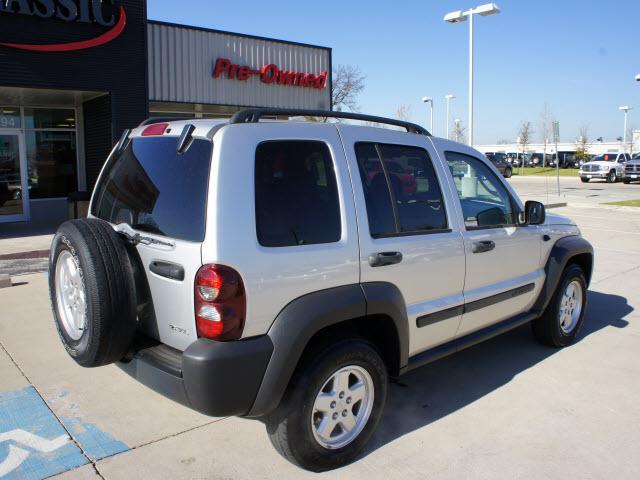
column 485, row 201
column 296, row 194
column 401, row 190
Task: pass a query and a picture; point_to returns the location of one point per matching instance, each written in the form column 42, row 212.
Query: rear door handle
column 484, row 246
column 382, row 259
column 167, row 269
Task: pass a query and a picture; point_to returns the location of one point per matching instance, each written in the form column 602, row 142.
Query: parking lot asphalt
column 507, row 408
column 573, row 191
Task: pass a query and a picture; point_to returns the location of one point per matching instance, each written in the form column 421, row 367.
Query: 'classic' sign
column 269, row 74
column 100, row 12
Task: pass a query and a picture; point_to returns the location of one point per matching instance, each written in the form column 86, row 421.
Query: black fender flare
column 565, row 249
column 303, row 317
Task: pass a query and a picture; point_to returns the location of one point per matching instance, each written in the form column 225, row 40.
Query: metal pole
column 557, row 167
column 624, row 135
column 448, row 100
column 556, row 137
column 470, row 121
column 431, row 103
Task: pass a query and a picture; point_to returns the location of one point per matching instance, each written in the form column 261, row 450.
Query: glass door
column 14, row 194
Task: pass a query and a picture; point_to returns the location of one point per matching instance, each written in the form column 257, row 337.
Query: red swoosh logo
column 106, row 37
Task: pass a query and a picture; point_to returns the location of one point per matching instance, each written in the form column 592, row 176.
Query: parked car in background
column 632, row 170
column 608, row 166
column 538, row 160
column 571, row 160
column 568, row 159
column 501, row 162
column 518, row 158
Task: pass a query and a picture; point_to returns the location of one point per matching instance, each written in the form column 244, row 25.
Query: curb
column 5, row 280
column 555, row 205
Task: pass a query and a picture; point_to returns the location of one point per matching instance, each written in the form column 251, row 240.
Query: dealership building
column 75, row 73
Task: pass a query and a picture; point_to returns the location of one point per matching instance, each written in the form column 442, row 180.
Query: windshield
column 607, row 157
column 155, row 189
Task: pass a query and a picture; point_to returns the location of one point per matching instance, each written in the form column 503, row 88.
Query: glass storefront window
column 49, row 118
column 10, row 184
column 9, row 117
column 51, row 160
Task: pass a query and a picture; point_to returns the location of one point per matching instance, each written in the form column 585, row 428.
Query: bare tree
column 403, row 112
column 630, row 139
column 348, row 83
column 458, row 131
column 524, row 138
column 545, row 130
column 582, row 143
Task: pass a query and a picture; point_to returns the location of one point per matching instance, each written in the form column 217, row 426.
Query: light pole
column 625, row 109
column 429, row 100
column 461, row 16
column 448, row 97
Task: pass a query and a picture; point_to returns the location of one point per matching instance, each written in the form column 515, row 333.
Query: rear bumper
column 215, row 378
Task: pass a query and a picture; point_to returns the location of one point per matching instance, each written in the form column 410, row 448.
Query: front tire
column 507, row 172
column 560, row 323
column 584, row 179
column 626, row 181
column 612, row 177
column 331, row 407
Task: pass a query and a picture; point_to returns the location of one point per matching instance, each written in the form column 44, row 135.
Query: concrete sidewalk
column 507, row 408
column 12, row 245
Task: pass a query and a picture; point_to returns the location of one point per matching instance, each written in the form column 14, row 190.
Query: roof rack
column 253, row 115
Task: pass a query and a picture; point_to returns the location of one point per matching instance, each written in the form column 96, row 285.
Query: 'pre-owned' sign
column 103, row 13
column 270, row 73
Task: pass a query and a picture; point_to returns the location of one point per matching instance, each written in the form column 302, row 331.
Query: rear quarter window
column 296, row 192
column 155, row 189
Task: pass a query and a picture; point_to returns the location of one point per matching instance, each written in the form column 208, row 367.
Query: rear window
column 155, row 189
column 607, row 157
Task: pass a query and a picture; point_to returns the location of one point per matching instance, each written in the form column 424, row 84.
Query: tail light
column 220, row 303
column 154, row 129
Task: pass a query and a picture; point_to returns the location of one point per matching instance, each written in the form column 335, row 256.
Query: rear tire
column 295, row 427
column 560, row 323
column 584, row 179
column 92, row 290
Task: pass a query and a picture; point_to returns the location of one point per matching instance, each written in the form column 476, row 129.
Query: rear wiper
column 135, row 238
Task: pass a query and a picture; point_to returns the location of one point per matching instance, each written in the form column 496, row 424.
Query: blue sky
column 579, row 57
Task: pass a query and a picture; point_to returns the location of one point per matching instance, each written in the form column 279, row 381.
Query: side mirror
column 534, row 213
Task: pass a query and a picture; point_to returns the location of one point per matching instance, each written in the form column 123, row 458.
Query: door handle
column 382, row 259
column 167, row 269
column 484, row 246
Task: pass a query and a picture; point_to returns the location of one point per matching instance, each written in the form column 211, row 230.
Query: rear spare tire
column 92, row 290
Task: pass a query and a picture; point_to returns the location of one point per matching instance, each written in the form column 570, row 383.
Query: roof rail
column 151, row 120
column 253, row 115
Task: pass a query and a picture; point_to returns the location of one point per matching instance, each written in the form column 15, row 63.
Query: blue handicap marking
column 35, row 445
